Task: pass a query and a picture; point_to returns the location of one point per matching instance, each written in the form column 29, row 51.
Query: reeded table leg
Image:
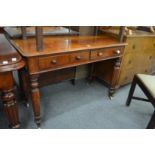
column 114, row 78
column 9, row 100
column 35, row 94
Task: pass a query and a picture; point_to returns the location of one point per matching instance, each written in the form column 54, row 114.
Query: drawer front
column 79, row 57
column 53, row 61
column 58, row 61
column 105, row 53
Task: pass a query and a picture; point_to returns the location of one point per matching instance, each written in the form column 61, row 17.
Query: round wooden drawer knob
column 100, row 54
column 78, row 58
column 53, row 61
column 117, row 51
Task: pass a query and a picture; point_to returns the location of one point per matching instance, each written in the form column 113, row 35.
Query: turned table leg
column 115, row 77
column 9, row 99
column 35, row 94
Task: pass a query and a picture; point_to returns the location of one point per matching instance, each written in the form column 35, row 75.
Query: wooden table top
column 63, row 44
column 10, row 59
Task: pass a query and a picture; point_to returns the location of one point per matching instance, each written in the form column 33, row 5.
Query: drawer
column 53, row 61
column 105, row 53
column 79, row 57
column 63, row 60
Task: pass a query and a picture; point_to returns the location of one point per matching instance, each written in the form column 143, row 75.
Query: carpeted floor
column 84, row 106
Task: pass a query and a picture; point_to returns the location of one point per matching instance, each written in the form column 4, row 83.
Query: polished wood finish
column 137, row 81
column 104, row 70
column 64, row 44
column 10, row 60
column 35, row 95
column 60, row 61
column 62, row 53
column 106, row 53
column 115, row 76
column 9, row 100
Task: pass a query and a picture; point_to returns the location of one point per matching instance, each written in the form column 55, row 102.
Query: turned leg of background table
column 35, row 94
column 24, row 87
column 91, row 77
column 73, row 81
column 9, row 99
column 114, row 78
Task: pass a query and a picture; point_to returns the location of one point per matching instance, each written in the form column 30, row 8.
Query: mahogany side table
column 10, row 61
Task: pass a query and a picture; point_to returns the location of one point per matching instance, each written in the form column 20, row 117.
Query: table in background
column 10, row 60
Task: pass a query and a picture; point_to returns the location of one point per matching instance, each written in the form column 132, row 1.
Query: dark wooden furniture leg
column 115, row 78
column 151, row 124
column 23, row 80
column 74, row 80
column 132, row 89
column 91, row 76
column 35, row 94
column 9, row 99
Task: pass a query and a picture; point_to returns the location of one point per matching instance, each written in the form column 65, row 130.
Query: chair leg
column 151, row 124
column 132, row 89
